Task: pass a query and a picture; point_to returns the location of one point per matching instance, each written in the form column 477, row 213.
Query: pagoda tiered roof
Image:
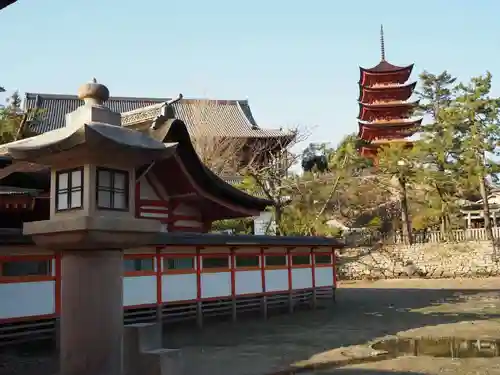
column 384, row 72
column 388, row 129
column 384, row 67
column 370, row 94
column 384, row 112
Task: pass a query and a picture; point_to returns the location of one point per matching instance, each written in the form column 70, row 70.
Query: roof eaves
column 248, row 240
column 14, row 190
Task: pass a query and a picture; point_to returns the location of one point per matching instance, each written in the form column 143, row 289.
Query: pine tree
column 11, row 119
column 439, row 143
column 476, row 114
column 399, row 164
column 14, row 102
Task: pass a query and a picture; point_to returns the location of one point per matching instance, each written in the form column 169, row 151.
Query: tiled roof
column 201, row 116
column 54, row 107
column 386, row 67
column 233, row 180
column 236, row 180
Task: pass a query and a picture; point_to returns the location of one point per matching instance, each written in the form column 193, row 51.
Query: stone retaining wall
column 438, row 260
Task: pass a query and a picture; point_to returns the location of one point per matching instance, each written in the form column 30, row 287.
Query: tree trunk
column 278, row 213
column 444, row 211
column 443, row 223
column 405, row 217
column 486, row 215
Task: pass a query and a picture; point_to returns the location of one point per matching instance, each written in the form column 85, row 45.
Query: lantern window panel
column 69, row 189
column 112, row 189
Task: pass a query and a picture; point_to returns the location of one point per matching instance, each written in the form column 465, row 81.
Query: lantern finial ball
column 94, row 91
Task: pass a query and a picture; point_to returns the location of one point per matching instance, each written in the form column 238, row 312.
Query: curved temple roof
column 203, row 177
column 206, row 182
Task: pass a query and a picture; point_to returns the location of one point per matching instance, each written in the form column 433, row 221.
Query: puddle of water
column 398, row 347
column 445, row 347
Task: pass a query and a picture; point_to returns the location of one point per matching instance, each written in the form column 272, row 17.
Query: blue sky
column 296, row 61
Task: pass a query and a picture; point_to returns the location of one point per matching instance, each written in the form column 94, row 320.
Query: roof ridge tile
column 232, row 117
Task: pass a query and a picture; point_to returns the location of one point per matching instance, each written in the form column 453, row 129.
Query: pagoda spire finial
column 382, row 44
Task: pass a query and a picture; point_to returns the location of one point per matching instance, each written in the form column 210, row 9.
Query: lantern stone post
column 92, row 161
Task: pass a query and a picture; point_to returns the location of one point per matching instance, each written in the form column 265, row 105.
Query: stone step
column 143, row 353
column 162, row 362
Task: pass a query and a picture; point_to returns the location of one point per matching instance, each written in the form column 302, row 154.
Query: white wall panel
column 301, row 278
column 248, row 282
column 139, row 290
column 215, row 284
column 323, row 276
column 27, row 299
column 178, row 287
column 276, row 280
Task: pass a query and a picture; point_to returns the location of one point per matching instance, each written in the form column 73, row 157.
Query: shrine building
column 185, row 273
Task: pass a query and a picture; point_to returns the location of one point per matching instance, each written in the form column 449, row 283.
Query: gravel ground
column 364, row 312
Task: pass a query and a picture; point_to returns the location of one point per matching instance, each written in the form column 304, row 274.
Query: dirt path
column 364, row 312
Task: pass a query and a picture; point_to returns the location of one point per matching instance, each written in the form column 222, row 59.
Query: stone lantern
column 92, row 219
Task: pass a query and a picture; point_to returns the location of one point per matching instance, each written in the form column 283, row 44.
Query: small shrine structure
column 472, row 211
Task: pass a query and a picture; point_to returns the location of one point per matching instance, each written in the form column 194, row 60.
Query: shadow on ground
column 256, row 347
column 360, row 315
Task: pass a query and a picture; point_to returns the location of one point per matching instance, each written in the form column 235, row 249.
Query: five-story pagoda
column 385, row 114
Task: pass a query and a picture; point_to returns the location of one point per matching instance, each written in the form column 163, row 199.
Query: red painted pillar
column 290, row 281
column 334, row 268
column 159, row 285
column 233, row 282
column 199, row 307
column 263, row 278
column 313, row 270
